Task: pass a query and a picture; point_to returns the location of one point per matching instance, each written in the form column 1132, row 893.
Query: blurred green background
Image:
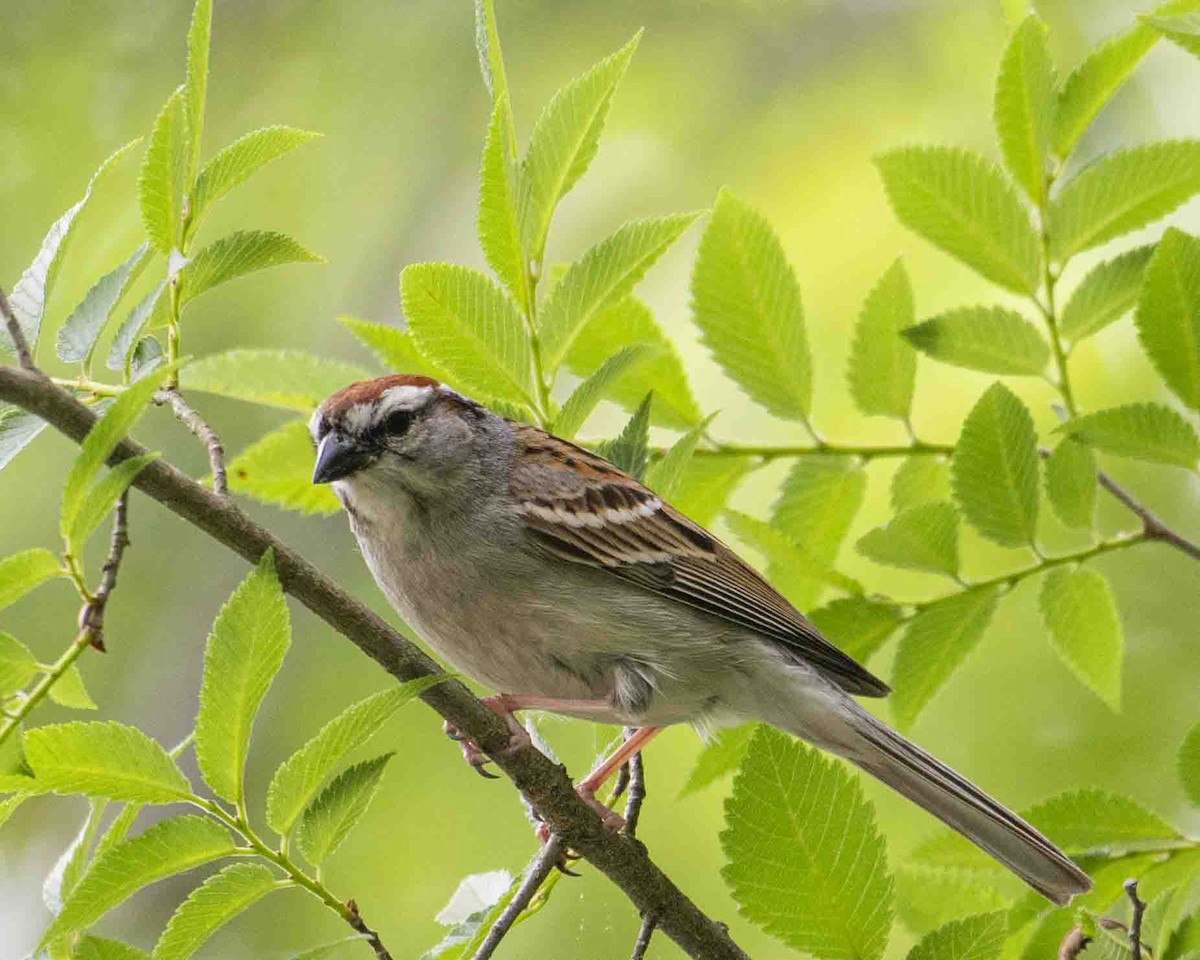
column 785, row 102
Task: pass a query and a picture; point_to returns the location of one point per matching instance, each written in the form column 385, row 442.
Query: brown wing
column 581, row 508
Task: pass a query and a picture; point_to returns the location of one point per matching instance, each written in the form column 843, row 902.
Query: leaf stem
column 1048, row 309
column 93, row 387
column 41, row 690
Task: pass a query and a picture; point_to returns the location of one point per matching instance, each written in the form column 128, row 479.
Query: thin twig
column 187, row 415
column 20, row 344
column 1135, row 924
column 356, row 921
column 637, row 791
column 1153, row 527
column 535, row 875
column 642, row 944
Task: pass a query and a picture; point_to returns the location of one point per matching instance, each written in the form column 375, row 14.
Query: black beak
column 339, row 457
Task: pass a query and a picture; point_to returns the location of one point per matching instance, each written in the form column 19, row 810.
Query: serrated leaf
column 301, row 775
column 499, row 190
column 277, row 469
column 563, row 142
column 1106, row 294
column 238, row 162
column 96, row 948
column 69, row 691
column 166, row 849
column 196, row 90
column 78, row 335
column 1189, row 765
column 245, row 650
column 210, row 906
column 1085, row 629
column 1121, row 192
column 991, row 339
column 1144, row 431
column 789, row 563
column 1168, row 314
column 918, row 480
column 817, row 503
column 708, row 483
column 100, row 500
column 8, row 805
column 798, row 821
column 18, row 429
column 584, row 398
column 23, row 571
column 960, row 202
column 1085, row 822
column 972, row 938
column 629, row 450
column 604, row 276
column 100, row 441
column 69, row 867
column 147, row 357
column 277, row 378
column 1182, row 29
column 994, row 470
column 1024, row 108
column 720, row 757
column 856, row 625
column 103, row 759
column 920, row 538
column 393, row 346
column 1071, row 483
column 929, row 897
column 163, row 180
column 883, row 367
column 937, row 641
column 31, row 293
column 236, row 255
column 470, row 328
column 17, row 665
column 132, row 328
column 332, row 814
column 746, row 302
column 624, row 324
column 665, row 475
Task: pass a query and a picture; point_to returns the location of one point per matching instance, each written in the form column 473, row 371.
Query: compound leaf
column 211, row 905
column 1144, row 431
column 332, row 814
column 979, row 937
column 240, row 253
column 920, row 538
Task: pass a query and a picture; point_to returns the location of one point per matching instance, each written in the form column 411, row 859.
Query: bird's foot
column 518, row 737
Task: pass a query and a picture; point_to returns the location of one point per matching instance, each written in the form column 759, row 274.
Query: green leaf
column 960, row 202
column 331, row 816
column 1122, row 192
column 1024, row 109
column 604, row 276
column 473, row 910
column 708, row 483
column 198, row 39
column 236, row 255
column 856, row 625
column 720, row 757
column 972, row 938
column 1085, row 629
column 1189, row 765
column 798, row 821
column 883, row 367
column 920, row 538
column 103, row 759
column 1071, row 483
column 238, row 162
column 79, row 333
column 1087, row 822
column 817, row 504
column 277, row 469
column 118, row 830
column 487, row 46
column 277, row 378
column 245, row 650
column 1092, row 84
column 1182, row 29
column 929, row 897
column 1106, row 294
column 563, row 143
column 147, row 357
column 326, row 950
column 70, row 691
column 918, row 480
column 133, row 327
column 991, row 339
column 69, row 867
column 301, row 775
column 665, row 475
column 393, row 347
column 23, row 571
column 995, row 469
column 936, row 643
column 211, row 905
column 18, row 429
column 99, row 502
column 499, row 189
column 746, row 302
column 1168, row 314
column 629, row 449
column 17, row 665
column 470, row 328
column 624, row 324
column 1144, row 431
column 8, row 805
column 789, row 563
column 166, row 849
column 163, row 180
column 96, row 948
column 101, row 440
column 590, row 392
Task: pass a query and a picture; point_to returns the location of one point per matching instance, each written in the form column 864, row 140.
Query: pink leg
column 595, row 780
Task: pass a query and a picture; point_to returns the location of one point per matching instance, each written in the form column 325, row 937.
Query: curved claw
column 480, row 767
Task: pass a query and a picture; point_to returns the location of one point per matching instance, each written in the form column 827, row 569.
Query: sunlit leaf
column 1168, row 314
column 78, row 335
column 1144, row 431
column 929, row 896
column 1085, row 629
column 499, row 190
column 210, row 906
column 70, row 691
column 1071, row 483
column 332, row 814
column 920, row 538
column 961, row 203
column 972, row 938
column 721, row 756
column 277, row 378
column 393, row 346
column 798, row 821
column 96, row 948
column 163, row 180
column 856, row 625
column 1106, row 294
column 196, row 90
column 1090, row 821
column 236, row 255
column 1024, row 108
column 746, row 302
column 585, row 397
column 991, row 339
column 789, row 562
column 1182, row 29
column 1189, row 765
column 278, row 469
column 100, row 500
column 23, row 571
column 918, row 480
column 67, row 870
column 665, row 475
column 707, row 484
column 17, row 665
column 883, row 367
column 629, row 450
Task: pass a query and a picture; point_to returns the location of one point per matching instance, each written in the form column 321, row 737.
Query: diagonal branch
column 20, row 343
column 535, row 875
column 187, row 415
column 544, row 783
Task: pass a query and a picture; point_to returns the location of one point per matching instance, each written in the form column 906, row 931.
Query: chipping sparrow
column 543, row 571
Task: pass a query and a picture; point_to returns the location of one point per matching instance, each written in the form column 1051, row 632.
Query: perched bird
column 543, row 571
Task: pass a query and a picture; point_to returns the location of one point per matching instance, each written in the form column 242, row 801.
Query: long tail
column 906, row 768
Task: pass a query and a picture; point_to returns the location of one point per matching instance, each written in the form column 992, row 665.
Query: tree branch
column 359, row 926
column 1152, row 526
column 20, row 344
column 642, row 944
column 1135, row 924
column 637, row 791
column 188, row 416
column 544, row 783
column 535, row 875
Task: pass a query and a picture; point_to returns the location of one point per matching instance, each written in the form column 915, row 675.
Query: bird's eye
column 397, row 423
